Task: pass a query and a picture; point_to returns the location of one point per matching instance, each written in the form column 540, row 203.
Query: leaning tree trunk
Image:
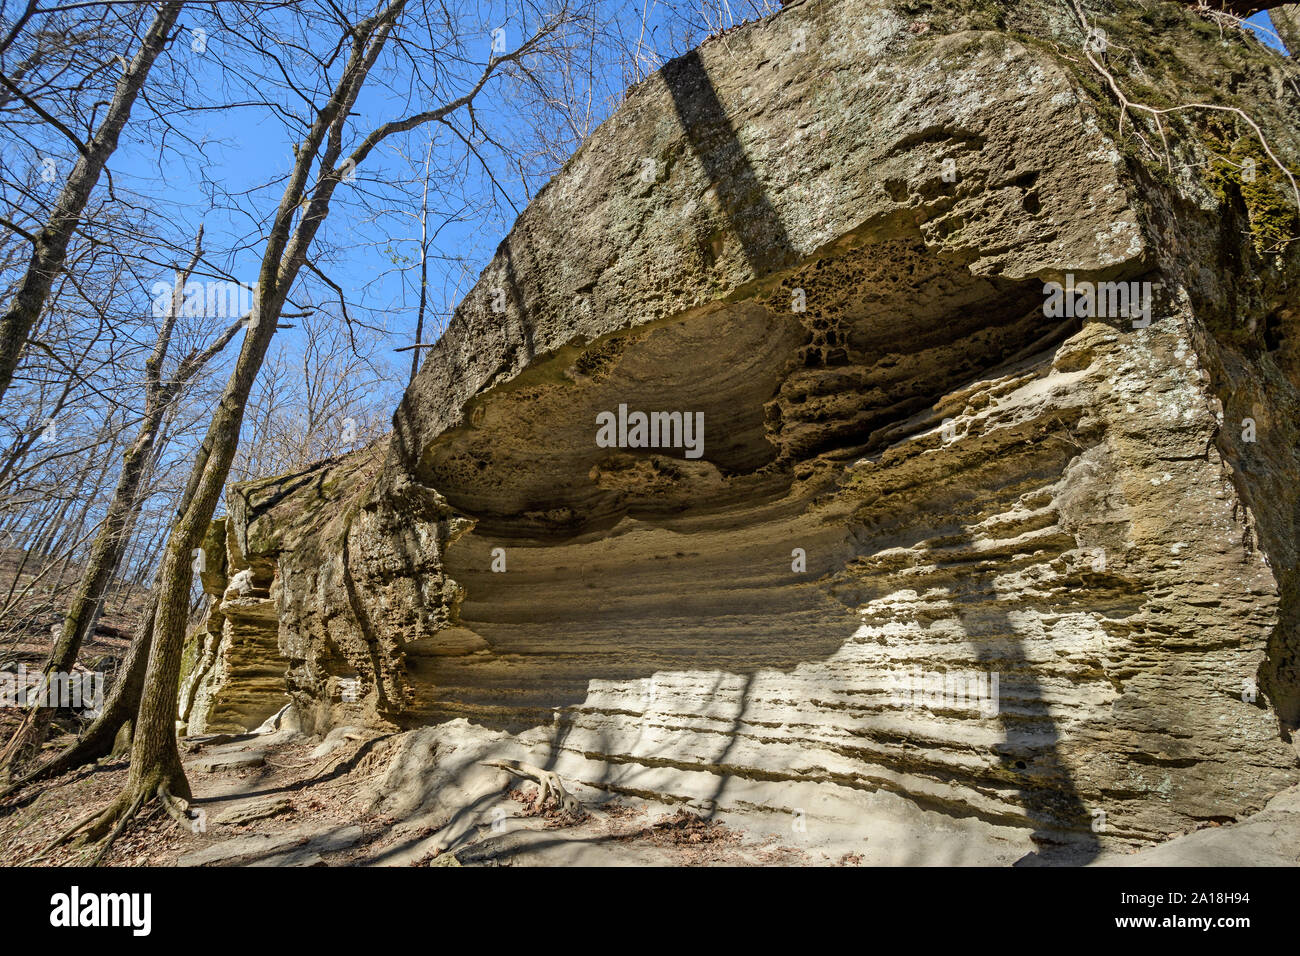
column 51, row 247
column 105, row 555
column 117, row 716
column 109, row 545
column 156, row 769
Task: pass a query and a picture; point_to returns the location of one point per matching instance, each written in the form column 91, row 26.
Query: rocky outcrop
column 1270, row 837
column 1286, row 21
column 998, row 547
column 232, row 675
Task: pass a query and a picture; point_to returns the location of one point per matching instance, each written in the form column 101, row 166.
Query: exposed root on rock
column 344, row 758
column 548, row 785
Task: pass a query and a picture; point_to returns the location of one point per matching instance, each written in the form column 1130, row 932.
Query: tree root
column 1157, row 115
column 103, row 827
column 548, row 784
column 108, row 736
column 331, row 762
column 118, row 827
column 177, row 809
column 63, row 838
column 26, row 740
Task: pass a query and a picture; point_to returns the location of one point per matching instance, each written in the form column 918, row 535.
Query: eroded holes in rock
column 598, row 586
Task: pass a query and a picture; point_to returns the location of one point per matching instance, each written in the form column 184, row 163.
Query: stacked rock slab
column 233, row 674
column 1036, row 568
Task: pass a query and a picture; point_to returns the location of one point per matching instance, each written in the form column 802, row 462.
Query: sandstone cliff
column 830, row 232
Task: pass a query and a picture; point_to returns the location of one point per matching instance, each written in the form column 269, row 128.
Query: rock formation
column 234, row 674
column 1011, row 550
column 1286, row 21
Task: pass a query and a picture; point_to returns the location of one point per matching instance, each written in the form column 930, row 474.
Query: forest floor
column 430, row 798
column 278, row 800
column 35, row 605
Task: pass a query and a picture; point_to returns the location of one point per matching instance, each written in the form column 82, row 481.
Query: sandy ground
column 268, row 801
column 363, row 799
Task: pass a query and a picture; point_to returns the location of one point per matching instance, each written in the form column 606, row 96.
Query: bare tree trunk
column 106, row 553
column 155, row 760
column 118, row 712
column 103, row 561
column 86, row 495
column 51, row 246
column 123, row 703
column 156, row 770
column 21, row 448
column 424, row 266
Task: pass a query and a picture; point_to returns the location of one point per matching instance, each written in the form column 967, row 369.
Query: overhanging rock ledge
column 1073, row 505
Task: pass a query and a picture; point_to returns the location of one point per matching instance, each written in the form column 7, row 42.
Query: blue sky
column 247, row 150
column 1264, row 29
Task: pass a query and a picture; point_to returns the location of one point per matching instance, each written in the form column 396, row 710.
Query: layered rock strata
column 941, row 538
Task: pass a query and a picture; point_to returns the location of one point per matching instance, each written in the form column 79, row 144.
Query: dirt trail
column 429, row 798
column 278, row 800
